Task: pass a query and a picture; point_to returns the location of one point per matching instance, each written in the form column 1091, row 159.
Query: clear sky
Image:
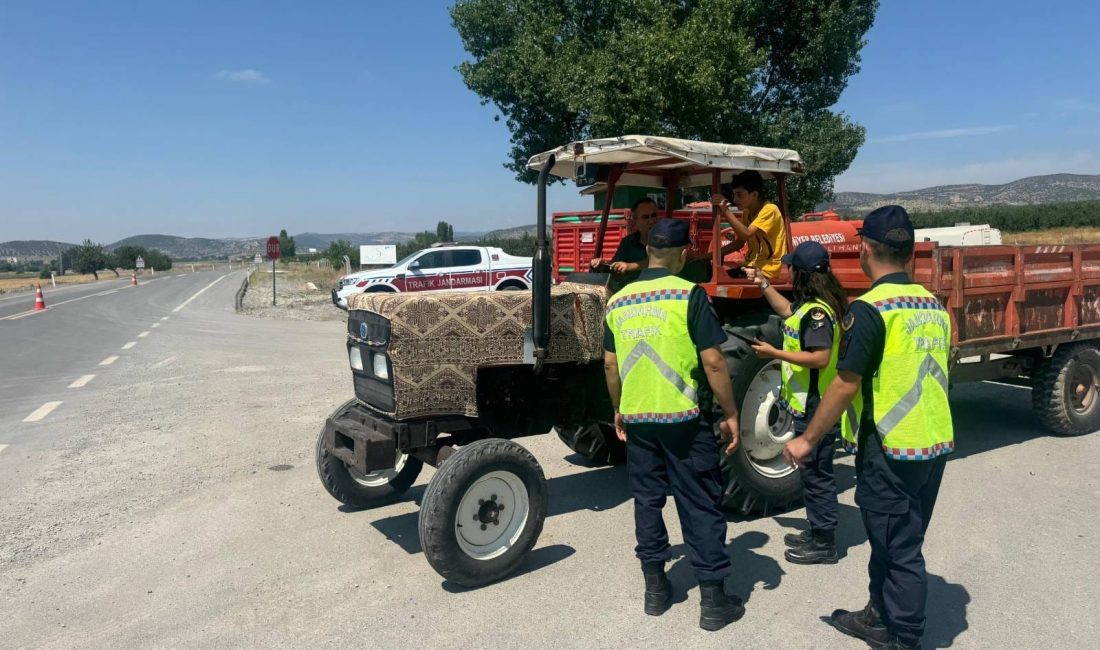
column 226, row 119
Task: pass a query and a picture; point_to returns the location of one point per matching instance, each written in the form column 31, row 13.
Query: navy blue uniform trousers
column 685, row 460
column 818, row 478
column 898, row 579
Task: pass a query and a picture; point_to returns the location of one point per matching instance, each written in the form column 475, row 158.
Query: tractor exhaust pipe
column 540, row 286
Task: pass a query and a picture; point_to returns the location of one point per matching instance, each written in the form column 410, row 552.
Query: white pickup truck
column 440, row 268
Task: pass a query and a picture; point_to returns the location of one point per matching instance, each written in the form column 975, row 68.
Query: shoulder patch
column 849, row 320
column 817, row 313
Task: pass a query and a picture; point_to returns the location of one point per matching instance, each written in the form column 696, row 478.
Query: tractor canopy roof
column 651, row 161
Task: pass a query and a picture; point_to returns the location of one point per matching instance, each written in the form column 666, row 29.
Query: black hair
column 750, row 181
column 639, row 202
column 820, row 285
column 888, row 254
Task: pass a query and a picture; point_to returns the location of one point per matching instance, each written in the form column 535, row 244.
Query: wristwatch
column 764, row 285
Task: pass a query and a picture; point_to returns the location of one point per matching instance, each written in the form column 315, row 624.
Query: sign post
column 273, row 253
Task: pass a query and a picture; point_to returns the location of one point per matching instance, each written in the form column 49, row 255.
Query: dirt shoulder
column 302, row 292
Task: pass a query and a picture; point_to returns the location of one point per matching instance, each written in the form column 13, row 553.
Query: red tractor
column 450, row 379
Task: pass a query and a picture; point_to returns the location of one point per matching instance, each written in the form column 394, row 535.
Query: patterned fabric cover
column 439, row 339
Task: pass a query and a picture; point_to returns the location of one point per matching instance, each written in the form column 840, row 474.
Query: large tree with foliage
column 89, row 257
column 286, row 244
column 760, row 72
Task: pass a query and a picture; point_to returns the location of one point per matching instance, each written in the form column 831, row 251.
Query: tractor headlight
column 380, row 366
column 355, row 357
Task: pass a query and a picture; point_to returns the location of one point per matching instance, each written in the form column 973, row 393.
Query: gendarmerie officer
column 810, row 343
column 892, row 369
column 662, row 336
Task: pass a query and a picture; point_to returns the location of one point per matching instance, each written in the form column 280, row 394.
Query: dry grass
column 1054, row 236
column 10, row 282
column 296, row 300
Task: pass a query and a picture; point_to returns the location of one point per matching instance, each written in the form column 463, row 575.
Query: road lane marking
column 2, row 448
column 199, row 293
column 82, row 382
column 143, row 334
column 129, row 345
column 155, row 325
column 109, row 360
column 42, row 412
column 106, row 293
column 32, row 312
column 164, row 318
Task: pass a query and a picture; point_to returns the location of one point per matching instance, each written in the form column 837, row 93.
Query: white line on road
column 82, row 382
column 51, row 306
column 42, row 412
column 155, row 325
column 143, row 334
column 107, row 293
column 199, row 293
column 2, row 448
column 109, row 360
column 129, row 345
column 164, row 318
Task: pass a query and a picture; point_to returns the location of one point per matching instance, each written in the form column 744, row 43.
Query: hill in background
column 1033, row 190
column 33, row 250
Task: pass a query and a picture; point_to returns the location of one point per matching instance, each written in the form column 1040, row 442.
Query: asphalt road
column 172, row 501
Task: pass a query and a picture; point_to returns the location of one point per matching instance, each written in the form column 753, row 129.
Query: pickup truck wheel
column 1066, row 390
column 596, row 441
column 512, row 285
column 352, row 488
column 757, row 477
column 482, row 512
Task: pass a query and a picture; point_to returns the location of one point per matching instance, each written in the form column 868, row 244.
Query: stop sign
column 273, row 248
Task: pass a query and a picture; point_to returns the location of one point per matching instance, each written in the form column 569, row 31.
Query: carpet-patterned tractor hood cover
column 439, row 339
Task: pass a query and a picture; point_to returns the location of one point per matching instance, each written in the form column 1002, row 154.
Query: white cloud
column 943, row 134
column 900, row 177
column 246, row 76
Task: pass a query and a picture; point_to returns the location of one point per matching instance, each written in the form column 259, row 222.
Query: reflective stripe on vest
column 793, row 393
column 655, row 354
column 911, row 411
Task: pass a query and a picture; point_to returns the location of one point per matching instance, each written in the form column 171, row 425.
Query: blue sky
column 236, row 119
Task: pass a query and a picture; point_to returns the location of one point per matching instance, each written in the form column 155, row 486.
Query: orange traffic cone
column 133, row 278
column 39, row 301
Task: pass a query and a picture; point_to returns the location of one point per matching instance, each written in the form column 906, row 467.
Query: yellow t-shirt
column 767, row 247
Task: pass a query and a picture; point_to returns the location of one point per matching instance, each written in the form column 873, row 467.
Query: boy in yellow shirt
column 766, row 232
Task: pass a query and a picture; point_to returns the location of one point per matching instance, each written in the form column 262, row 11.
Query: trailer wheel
column 757, row 477
column 482, row 512
column 1066, row 390
column 596, row 441
column 351, row 487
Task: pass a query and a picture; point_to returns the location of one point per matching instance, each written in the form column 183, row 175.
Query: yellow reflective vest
column 911, row 412
column 794, row 392
column 656, row 357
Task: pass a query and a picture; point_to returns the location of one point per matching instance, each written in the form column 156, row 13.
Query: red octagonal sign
column 273, row 248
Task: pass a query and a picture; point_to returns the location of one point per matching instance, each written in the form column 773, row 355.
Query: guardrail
column 239, row 302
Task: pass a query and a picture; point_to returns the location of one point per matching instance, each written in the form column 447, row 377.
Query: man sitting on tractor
column 763, row 228
column 630, row 258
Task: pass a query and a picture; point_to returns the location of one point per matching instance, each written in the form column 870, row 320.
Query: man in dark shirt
column 631, row 257
column 896, row 497
column 670, row 352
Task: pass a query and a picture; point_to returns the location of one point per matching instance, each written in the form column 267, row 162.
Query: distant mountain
column 1033, row 190
column 306, row 240
column 195, row 248
column 512, row 233
column 35, row 250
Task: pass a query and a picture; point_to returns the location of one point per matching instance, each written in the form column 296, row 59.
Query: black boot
column 897, row 644
column 821, row 549
column 717, row 610
column 794, row 540
column 658, row 590
column 866, row 625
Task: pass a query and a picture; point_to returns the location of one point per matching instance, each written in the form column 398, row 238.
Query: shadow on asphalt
column 749, row 567
column 538, row 558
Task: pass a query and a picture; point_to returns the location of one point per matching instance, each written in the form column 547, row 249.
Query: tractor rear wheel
column 596, row 441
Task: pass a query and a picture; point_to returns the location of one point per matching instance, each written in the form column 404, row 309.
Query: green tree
column 338, row 249
column 759, row 72
column 89, row 257
column 444, row 231
column 286, row 244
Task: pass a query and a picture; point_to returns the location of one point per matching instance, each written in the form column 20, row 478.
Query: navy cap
column 888, row 225
column 669, row 233
column 809, row 256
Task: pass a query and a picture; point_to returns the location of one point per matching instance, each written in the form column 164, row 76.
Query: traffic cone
column 39, row 301
column 133, row 278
